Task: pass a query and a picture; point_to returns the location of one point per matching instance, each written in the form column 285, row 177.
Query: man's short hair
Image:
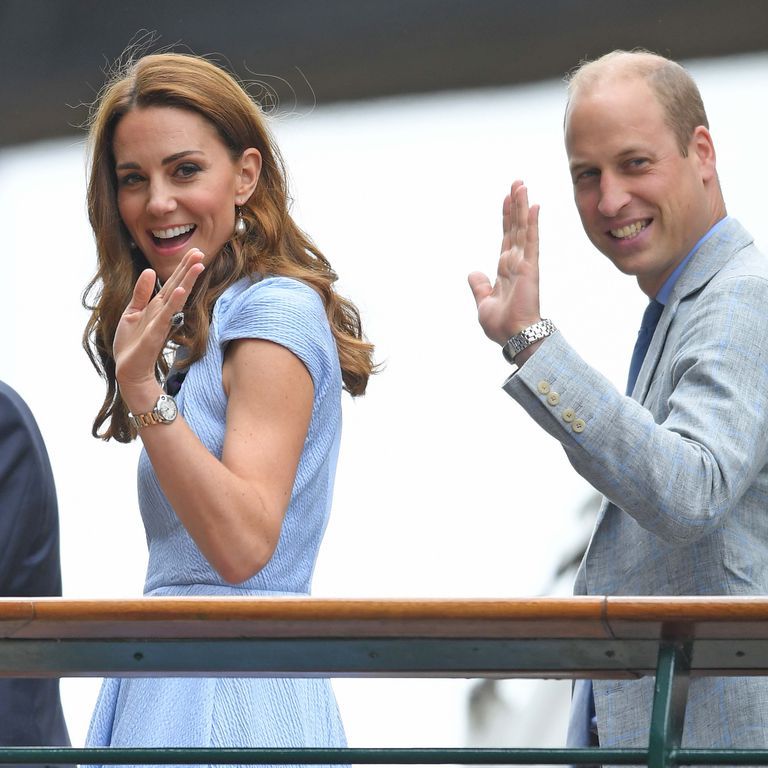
column 674, row 87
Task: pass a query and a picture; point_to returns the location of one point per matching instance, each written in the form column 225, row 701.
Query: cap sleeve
column 284, row 311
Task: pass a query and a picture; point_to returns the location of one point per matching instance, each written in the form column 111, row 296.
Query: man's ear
column 702, row 148
column 248, row 177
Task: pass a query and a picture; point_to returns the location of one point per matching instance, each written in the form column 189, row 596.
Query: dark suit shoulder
column 19, row 431
column 29, row 525
column 15, row 412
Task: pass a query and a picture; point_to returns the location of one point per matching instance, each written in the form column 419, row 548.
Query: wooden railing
column 591, row 637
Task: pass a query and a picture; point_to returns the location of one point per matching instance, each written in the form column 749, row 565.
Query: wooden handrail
column 606, row 637
column 235, row 617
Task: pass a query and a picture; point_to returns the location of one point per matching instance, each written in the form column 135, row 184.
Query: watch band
column 140, row 420
column 526, row 337
column 164, row 412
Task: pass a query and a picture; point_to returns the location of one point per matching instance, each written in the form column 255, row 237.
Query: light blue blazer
column 683, row 468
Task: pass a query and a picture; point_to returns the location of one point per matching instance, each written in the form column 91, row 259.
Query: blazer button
column 568, row 415
column 543, row 387
column 578, row 425
column 553, row 398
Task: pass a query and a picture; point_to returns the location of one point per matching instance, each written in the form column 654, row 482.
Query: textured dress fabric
column 239, row 712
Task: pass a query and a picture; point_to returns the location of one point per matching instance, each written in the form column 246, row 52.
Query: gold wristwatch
column 164, row 412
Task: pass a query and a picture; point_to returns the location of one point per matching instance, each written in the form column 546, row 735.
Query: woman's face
column 177, row 185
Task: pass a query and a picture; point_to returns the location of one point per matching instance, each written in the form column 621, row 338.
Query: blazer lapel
column 708, row 260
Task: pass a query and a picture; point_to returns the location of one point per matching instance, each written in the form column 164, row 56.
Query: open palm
column 146, row 322
column 512, row 302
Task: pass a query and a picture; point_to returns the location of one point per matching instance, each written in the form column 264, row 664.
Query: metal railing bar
column 415, row 756
column 720, row 756
column 324, row 657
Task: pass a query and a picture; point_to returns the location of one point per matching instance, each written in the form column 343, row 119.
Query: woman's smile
column 177, row 184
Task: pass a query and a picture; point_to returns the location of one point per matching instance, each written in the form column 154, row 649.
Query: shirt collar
column 666, row 290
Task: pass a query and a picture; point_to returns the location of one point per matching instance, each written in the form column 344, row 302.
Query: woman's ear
column 249, row 172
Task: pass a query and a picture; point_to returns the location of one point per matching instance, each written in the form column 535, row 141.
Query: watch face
column 166, row 408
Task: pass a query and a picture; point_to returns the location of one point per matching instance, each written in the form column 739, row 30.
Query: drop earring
column 240, row 225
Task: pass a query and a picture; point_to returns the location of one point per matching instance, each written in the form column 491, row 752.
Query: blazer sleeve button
column 578, row 425
column 543, row 387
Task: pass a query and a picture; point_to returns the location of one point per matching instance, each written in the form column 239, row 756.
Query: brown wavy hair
column 272, row 245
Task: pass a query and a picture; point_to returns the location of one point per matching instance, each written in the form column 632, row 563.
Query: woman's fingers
column 194, row 270
column 173, row 294
column 178, row 296
column 142, row 292
column 177, row 278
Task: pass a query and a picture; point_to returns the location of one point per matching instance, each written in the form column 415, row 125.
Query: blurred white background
column 445, row 488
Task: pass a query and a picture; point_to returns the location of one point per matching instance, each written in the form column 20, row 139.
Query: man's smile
column 630, row 230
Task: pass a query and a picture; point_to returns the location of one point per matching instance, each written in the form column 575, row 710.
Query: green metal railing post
column 669, row 700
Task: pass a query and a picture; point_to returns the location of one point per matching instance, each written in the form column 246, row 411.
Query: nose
column 160, row 200
column 613, row 195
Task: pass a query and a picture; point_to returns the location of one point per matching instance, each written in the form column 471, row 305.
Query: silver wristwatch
column 164, row 412
column 526, row 337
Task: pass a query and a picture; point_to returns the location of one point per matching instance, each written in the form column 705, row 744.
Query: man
column 30, row 709
column 682, row 462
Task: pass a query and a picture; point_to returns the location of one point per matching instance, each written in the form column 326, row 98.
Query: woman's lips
column 171, row 238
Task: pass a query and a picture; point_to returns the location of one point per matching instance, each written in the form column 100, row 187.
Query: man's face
column 642, row 203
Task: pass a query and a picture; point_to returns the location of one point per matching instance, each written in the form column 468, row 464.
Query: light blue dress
column 235, row 712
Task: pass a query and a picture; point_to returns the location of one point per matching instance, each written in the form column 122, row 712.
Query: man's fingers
column 515, row 193
column 532, row 235
column 506, row 223
column 521, row 213
column 480, row 285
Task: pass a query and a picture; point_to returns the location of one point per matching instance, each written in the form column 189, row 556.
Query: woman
column 198, row 256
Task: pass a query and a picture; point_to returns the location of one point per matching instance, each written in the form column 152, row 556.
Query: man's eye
column 638, row 162
column 590, row 173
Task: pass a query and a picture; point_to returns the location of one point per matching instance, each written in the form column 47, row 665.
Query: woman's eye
column 186, row 170
column 130, row 179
